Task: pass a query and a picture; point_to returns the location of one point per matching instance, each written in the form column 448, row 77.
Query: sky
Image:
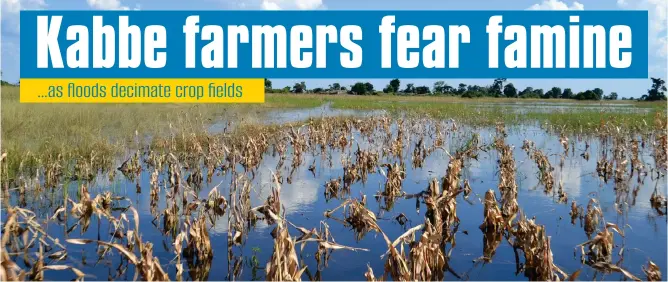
column 657, row 39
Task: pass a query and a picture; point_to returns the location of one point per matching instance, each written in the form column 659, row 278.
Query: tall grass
column 33, row 132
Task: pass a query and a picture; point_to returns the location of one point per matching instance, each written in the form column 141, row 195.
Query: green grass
column 32, row 134
column 568, row 114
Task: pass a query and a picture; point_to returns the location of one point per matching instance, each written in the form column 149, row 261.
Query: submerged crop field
column 313, row 187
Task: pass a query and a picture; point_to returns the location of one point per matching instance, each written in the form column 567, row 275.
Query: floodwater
column 304, row 203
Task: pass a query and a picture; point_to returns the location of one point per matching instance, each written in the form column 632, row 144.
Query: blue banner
column 334, row 44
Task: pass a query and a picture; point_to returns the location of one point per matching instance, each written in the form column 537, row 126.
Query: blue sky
column 657, row 41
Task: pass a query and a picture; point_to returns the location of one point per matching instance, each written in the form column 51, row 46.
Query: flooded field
column 331, row 194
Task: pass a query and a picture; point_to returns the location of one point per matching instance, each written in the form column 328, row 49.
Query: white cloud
column 291, row 4
column 108, row 5
column 10, row 12
column 308, row 4
column 658, row 17
column 270, row 5
column 557, row 5
column 658, row 21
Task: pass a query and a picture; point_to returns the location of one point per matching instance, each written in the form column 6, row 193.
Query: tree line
column 499, row 88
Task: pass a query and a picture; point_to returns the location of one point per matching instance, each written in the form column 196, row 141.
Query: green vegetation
column 32, row 133
column 574, row 116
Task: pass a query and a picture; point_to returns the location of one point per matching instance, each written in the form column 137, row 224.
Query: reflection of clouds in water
column 527, row 179
column 295, row 197
column 570, row 176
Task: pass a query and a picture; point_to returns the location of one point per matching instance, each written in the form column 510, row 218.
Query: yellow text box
column 93, row 90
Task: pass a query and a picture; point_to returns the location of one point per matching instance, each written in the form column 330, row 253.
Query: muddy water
column 304, row 203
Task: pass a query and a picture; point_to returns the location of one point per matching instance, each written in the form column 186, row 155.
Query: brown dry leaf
column 604, row 266
column 652, row 271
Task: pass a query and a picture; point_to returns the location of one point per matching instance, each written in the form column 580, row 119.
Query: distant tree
column 567, row 94
column 461, row 89
column 285, row 89
column 335, row 86
column 555, row 92
column 497, row 87
column 657, row 92
column 394, row 85
column 343, row 88
column 587, row 95
column 599, row 93
column 318, row 90
column 612, row 96
column 447, row 89
column 474, row 91
column 299, row 87
column 359, row 88
column 526, row 93
column 538, row 93
column 410, row 88
column 439, row 87
column 422, row 90
column 530, row 92
column 267, row 84
column 369, row 87
column 510, row 91
column 387, row 89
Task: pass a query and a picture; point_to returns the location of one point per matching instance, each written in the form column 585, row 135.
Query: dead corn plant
column 366, row 162
column 652, row 271
column 442, row 211
column 131, row 168
column 563, row 140
column 659, row 202
column 325, row 241
column 333, row 189
column 507, row 184
column 592, row 217
column 601, row 246
column 493, row 219
column 395, row 176
column 21, row 233
column 660, row 143
column 350, row 174
column 535, row 244
column 283, row 264
column 544, row 169
column 198, row 249
column 147, row 266
column 273, row 203
column 356, row 215
column 561, row 194
column 427, row 262
column 576, row 211
column 420, row 153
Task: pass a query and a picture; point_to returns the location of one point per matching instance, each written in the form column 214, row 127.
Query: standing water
column 353, row 198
